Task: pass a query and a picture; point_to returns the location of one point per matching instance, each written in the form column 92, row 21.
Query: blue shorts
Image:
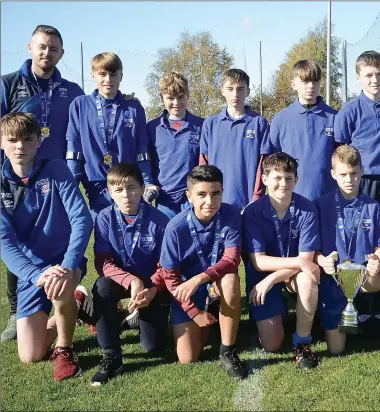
column 172, row 209
column 199, row 298
column 331, row 303
column 274, row 303
column 32, row 299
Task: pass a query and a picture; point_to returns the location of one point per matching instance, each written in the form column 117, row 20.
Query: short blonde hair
column 106, row 61
column 307, row 71
column 174, row 84
column 347, row 155
column 368, row 58
column 19, row 125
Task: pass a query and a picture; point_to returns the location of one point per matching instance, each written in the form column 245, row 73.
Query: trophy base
column 349, row 329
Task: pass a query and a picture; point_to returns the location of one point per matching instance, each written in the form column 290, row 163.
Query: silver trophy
column 350, row 277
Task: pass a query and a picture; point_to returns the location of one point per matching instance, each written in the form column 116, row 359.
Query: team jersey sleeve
column 78, row 214
column 265, row 136
column 4, row 99
column 101, row 235
column 344, row 126
column 74, row 155
column 15, row 259
column 309, row 240
column 233, row 238
column 253, row 236
column 169, row 258
column 274, row 134
column 205, row 135
column 142, row 154
column 151, row 133
column 377, row 228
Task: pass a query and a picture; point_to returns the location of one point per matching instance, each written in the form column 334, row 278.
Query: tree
column 279, row 93
column 202, row 62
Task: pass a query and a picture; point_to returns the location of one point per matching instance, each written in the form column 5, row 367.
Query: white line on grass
column 249, row 396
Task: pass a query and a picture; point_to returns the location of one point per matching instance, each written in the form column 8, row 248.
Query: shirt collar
column 164, row 121
column 249, row 114
column 118, row 98
column 355, row 204
column 26, row 71
column 198, row 225
column 8, row 174
column 366, row 100
column 267, row 210
column 316, row 109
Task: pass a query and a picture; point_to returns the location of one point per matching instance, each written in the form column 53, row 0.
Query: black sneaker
column 233, row 365
column 304, row 357
column 110, row 366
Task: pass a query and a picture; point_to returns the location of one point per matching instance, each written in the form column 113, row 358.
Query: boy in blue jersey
column 128, row 238
column 234, row 139
column 174, row 139
column 202, row 246
column 304, row 130
column 37, row 87
column 106, row 128
column 358, row 122
column 355, row 240
column 281, row 236
column 45, row 230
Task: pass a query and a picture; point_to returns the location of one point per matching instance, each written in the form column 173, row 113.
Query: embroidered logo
column 366, row 223
column 250, row 134
column 21, row 94
column 63, row 92
column 295, row 233
column 43, row 186
column 146, row 241
column 128, row 122
column 194, row 138
column 329, row 131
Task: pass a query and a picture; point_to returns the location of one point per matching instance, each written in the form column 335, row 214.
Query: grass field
column 349, row 382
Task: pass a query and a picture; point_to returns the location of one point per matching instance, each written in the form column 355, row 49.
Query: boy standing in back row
column 358, row 122
column 305, row 131
column 105, row 129
column 234, row 139
column 174, row 139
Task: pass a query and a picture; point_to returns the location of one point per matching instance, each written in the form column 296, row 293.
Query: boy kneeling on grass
column 350, row 230
column 45, row 229
column 281, row 236
column 128, row 239
column 201, row 246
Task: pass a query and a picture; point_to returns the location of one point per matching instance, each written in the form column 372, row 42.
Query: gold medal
column 45, row 131
column 107, row 159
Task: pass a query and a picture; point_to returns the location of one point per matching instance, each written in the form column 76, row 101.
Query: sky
column 137, row 30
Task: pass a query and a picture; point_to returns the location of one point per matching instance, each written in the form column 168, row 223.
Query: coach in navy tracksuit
column 38, row 88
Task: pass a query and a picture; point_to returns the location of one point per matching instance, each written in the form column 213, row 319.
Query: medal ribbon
column 342, row 229
column 198, row 248
column 277, row 228
column 138, row 224
column 106, row 134
column 45, row 99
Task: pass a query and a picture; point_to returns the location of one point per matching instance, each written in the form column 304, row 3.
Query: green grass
column 350, row 382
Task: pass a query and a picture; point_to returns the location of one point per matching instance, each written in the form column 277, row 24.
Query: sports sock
column 299, row 340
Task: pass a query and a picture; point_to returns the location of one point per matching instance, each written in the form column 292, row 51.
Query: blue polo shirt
column 235, row 146
column 308, row 136
column 358, row 124
column 129, row 140
column 147, row 251
column 45, row 222
column 259, row 232
column 19, row 93
column 368, row 234
column 174, row 154
column 178, row 250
